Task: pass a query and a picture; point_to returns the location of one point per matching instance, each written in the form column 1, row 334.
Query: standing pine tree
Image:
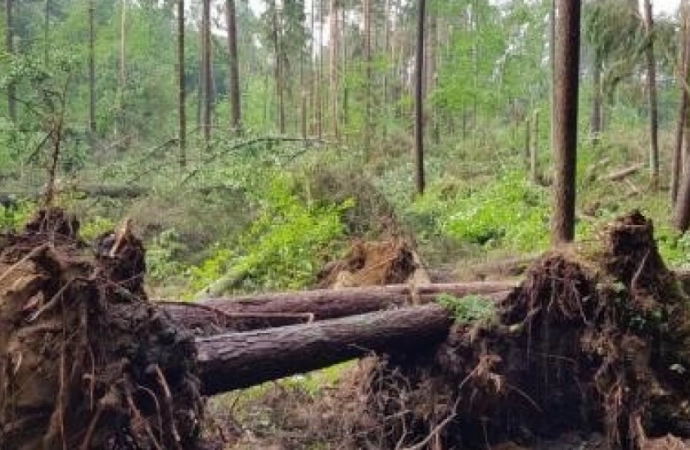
column 419, row 99
column 567, row 66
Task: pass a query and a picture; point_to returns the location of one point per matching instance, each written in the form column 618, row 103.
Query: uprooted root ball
column 87, row 362
column 588, row 343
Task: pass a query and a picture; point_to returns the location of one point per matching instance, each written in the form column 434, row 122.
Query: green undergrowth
column 469, row 309
column 506, row 213
column 285, row 245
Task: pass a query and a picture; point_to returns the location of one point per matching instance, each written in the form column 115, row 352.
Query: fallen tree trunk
column 623, row 173
column 239, row 360
column 278, row 309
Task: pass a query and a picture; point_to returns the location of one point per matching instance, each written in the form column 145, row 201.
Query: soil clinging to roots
column 87, row 362
column 591, row 342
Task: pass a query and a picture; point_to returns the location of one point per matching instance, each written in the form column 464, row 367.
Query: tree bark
column 234, row 78
column 534, row 151
column 46, row 33
column 596, row 126
column 239, row 360
column 651, row 91
column 368, row 75
column 181, row 87
column 278, row 67
column 565, row 115
column 92, row 70
column 684, row 76
column 277, row 309
column 419, row 100
column 206, row 76
column 9, row 47
column 333, row 44
column 386, row 71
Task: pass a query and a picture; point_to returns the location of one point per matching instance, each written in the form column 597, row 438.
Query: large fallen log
column 238, row 360
column 278, row 309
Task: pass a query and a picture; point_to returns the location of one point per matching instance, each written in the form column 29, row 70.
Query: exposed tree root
column 593, row 343
column 87, row 362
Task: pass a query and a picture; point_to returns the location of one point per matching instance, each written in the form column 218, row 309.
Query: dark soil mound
column 589, row 343
column 87, row 361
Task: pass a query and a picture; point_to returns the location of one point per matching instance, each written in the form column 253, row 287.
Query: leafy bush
column 285, row 245
column 509, row 213
column 469, row 309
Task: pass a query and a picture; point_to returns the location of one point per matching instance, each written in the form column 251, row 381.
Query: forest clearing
column 344, row 224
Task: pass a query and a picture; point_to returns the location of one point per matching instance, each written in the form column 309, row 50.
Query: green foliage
column 13, row 219
column 509, row 213
column 95, row 226
column 163, row 256
column 469, row 309
column 285, row 245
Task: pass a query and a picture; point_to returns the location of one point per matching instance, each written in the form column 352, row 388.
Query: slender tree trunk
column 552, row 67
column 46, row 33
column 319, row 76
column 386, row 49
column 312, row 70
column 651, row 90
column 207, row 90
column 565, row 112
column 234, row 78
column 344, row 57
column 119, row 125
column 181, row 88
column 528, row 144
column 432, row 78
column 596, row 126
column 278, row 67
column 123, row 45
column 368, row 75
column 419, row 99
column 534, row 151
column 92, row 69
column 9, row 46
column 684, row 76
column 333, row 67
column 287, row 308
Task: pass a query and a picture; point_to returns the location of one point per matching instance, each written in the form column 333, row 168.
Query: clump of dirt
column 593, row 343
column 371, row 263
column 87, row 362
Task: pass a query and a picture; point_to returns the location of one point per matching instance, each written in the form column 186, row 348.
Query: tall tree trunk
column 677, row 161
column 432, row 79
column 565, row 112
column 368, row 75
column 122, row 75
column 597, row 98
column 278, row 66
column 419, row 99
column 534, row 151
column 552, row 68
column 319, row 76
column 234, row 78
column 386, row 49
column 9, row 47
column 181, row 88
column 92, row 69
column 333, row 67
column 206, row 70
column 344, row 57
column 651, row 90
column 46, row 33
